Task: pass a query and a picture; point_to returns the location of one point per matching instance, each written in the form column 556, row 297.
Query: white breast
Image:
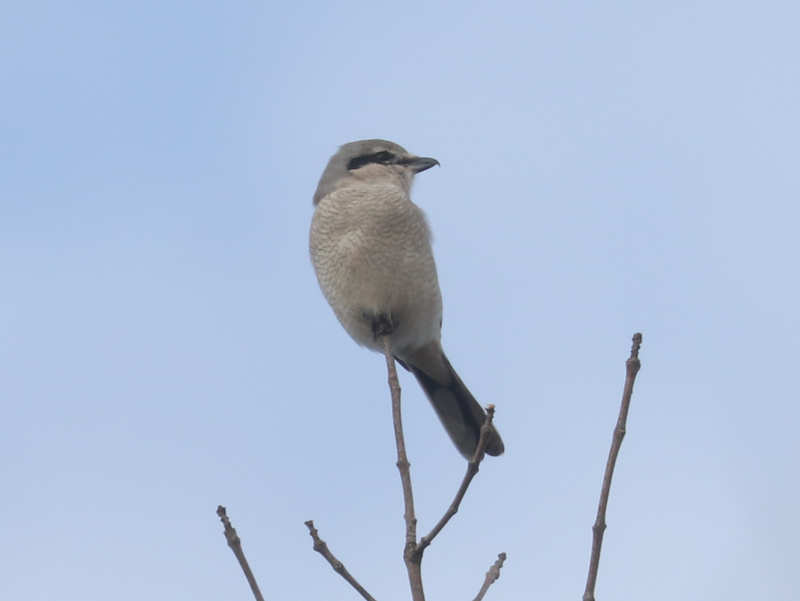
column 370, row 246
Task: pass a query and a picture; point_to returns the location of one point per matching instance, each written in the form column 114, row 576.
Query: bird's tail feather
column 460, row 414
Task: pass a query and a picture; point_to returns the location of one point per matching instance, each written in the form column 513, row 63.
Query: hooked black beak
column 418, row 164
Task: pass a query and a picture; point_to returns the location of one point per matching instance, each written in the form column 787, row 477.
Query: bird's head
column 371, row 161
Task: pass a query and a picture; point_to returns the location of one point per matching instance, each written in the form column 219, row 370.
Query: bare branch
column 473, row 465
column 322, row 548
column 402, row 459
column 412, row 559
column 632, row 368
column 492, row 575
column 235, row 543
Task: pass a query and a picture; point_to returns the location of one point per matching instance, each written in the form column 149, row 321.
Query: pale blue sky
column 605, row 168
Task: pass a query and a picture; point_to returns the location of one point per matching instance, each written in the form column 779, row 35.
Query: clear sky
column 605, row 169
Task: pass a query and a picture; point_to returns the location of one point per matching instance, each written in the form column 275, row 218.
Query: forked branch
column 473, row 465
column 410, row 556
column 413, row 551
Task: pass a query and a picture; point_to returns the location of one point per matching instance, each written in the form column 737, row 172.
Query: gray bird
column 371, row 250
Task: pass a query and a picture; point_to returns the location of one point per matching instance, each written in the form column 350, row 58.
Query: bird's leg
column 383, row 324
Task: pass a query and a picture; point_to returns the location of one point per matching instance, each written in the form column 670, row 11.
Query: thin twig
column 235, row 543
column 492, row 575
column 473, row 465
column 632, row 368
column 412, row 559
column 322, row 548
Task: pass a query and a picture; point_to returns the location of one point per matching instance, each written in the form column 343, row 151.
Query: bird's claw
column 382, row 325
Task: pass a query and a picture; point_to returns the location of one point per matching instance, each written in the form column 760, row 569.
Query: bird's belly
column 385, row 286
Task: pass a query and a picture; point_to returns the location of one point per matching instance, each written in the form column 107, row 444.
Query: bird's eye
column 384, row 157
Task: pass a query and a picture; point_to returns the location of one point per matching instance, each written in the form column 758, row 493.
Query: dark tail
column 460, row 414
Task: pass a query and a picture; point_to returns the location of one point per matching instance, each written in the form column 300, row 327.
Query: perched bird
column 371, row 250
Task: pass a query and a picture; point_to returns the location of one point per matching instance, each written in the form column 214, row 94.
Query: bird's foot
column 382, row 325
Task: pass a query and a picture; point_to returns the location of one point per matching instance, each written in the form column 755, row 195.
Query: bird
column 370, row 246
